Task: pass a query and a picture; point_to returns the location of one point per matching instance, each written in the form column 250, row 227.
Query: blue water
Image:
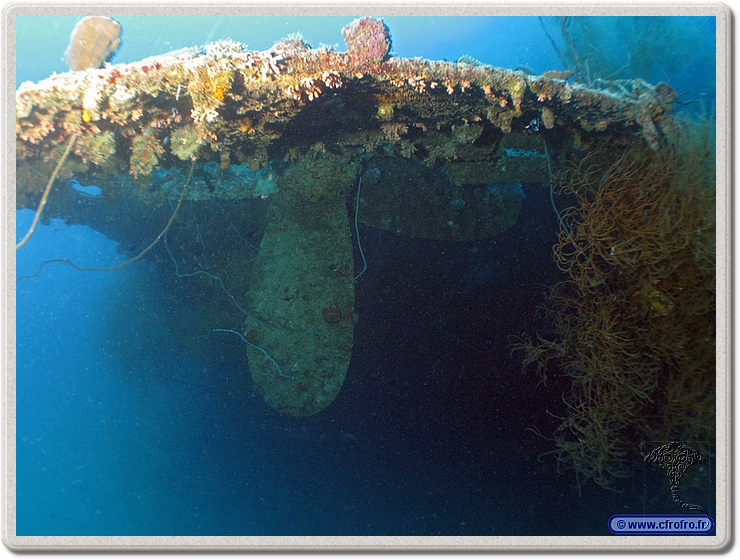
column 427, row 437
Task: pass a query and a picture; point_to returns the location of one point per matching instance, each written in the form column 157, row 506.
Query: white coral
column 208, row 115
column 224, row 48
column 121, row 98
column 91, row 99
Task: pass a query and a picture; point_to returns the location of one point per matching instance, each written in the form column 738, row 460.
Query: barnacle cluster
column 311, row 87
column 96, row 149
column 145, row 152
column 548, row 117
column 184, row 142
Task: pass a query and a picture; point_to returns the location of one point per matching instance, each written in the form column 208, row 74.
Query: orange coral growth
column 635, row 315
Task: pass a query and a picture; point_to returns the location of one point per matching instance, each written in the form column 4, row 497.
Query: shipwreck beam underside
column 138, row 125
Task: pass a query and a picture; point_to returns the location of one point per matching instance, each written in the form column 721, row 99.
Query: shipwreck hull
column 320, row 141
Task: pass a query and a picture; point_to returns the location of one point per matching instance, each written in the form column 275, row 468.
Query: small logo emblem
column 675, row 458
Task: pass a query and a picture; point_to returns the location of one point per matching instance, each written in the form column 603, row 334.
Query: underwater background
column 124, row 430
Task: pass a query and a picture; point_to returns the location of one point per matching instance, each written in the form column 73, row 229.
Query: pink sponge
column 368, row 40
